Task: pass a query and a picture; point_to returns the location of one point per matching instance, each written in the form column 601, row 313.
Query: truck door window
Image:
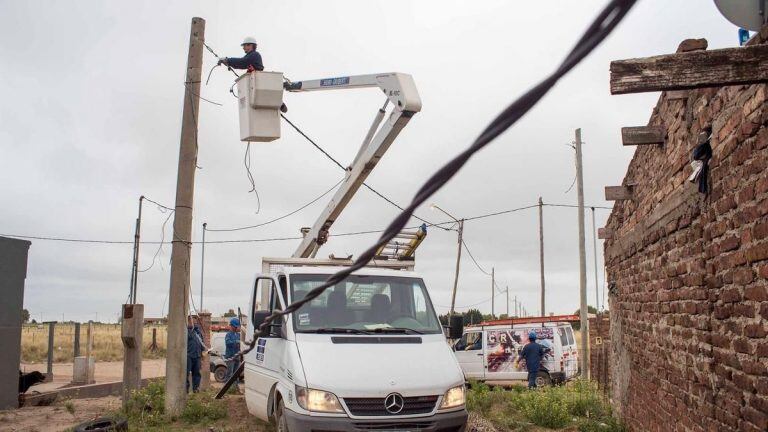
column 563, row 336
column 569, row 332
column 470, row 342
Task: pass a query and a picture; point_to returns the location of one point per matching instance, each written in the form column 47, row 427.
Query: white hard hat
column 249, row 40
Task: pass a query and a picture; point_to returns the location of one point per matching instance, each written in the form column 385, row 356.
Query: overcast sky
column 92, row 93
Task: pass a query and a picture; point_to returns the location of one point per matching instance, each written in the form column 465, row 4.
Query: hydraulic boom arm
column 401, row 92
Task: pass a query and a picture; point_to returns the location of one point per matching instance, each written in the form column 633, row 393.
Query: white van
column 367, row 354
column 487, row 352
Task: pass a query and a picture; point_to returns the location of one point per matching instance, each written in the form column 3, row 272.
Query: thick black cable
column 597, row 31
column 469, row 252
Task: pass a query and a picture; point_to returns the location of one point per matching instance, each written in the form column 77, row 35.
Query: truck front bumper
column 454, row 421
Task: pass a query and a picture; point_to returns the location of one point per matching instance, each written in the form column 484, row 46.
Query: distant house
column 155, row 321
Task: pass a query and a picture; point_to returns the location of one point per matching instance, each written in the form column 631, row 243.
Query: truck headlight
column 318, row 400
column 454, row 398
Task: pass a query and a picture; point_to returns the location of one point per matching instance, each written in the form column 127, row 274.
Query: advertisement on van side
column 504, row 346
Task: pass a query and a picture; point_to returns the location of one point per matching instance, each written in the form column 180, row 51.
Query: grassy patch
column 578, row 404
column 146, row 409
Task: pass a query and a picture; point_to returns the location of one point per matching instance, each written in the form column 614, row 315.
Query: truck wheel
column 282, row 424
column 220, row 374
column 543, row 379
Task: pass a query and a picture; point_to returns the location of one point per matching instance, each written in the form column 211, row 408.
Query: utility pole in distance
column 458, row 254
column 541, row 251
column 582, row 262
column 178, row 298
column 202, row 267
column 493, row 292
column 508, row 302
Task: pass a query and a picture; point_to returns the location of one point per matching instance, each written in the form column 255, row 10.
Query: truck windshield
column 363, row 304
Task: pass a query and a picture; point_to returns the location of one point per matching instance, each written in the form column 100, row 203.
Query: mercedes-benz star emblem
column 394, row 403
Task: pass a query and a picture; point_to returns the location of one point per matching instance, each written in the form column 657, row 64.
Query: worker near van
column 232, row 348
column 250, row 61
column 532, row 353
column 195, row 348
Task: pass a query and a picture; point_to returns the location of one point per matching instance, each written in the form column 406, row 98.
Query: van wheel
column 543, row 379
column 282, row 424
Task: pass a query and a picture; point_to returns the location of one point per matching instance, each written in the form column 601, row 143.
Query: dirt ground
column 104, row 372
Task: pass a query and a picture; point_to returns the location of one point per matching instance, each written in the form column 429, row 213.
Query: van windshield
column 364, row 304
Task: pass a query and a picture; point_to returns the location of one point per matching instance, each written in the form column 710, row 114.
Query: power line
column 479, row 267
column 575, row 206
column 328, row 155
column 280, row 217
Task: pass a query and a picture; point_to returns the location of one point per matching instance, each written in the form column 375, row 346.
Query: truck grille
column 375, row 406
column 395, row 426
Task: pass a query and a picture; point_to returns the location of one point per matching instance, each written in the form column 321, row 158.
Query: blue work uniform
column 232, row 344
column 253, row 59
column 194, row 353
column 532, row 353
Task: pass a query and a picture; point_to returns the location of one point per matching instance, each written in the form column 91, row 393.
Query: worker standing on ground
column 195, row 349
column 532, row 353
column 232, row 344
column 250, row 61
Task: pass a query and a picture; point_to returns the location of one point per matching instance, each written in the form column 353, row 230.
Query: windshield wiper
column 402, row 330
column 341, row 330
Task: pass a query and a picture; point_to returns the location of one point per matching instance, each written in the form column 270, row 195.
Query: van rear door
column 469, row 353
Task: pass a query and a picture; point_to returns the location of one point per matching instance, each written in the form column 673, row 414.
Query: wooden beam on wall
column 604, row 233
column 618, row 193
column 690, row 70
column 642, row 135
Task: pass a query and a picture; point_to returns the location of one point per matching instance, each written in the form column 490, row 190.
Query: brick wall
column 599, row 350
column 689, row 273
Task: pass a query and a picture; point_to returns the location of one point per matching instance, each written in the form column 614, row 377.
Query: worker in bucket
column 532, row 353
column 250, row 61
column 195, row 348
column 232, row 344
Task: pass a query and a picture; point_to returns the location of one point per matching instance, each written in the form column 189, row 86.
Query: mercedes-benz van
column 367, row 354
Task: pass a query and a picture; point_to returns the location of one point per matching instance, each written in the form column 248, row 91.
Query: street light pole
column 458, row 256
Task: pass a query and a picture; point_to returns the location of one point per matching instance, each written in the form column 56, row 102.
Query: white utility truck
column 369, row 353
column 488, row 351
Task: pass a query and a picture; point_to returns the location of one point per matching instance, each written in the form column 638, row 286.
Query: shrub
column 605, row 425
column 584, row 400
column 146, row 406
column 203, row 407
column 544, row 407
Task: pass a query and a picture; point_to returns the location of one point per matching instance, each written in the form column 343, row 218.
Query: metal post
column 49, row 370
column 541, row 252
column 178, row 297
column 88, row 350
column 582, row 262
column 516, row 314
column 493, row 293
column 76, row 348
column 458, row 263
column 202, row 267
column 594, row 248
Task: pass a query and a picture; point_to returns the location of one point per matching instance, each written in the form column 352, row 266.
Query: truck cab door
column 469, row 354
column 263, row 364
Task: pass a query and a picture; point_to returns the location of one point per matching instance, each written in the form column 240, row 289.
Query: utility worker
column 250, row 61
column 195, row 348
column 532, row 353
column 232, row 344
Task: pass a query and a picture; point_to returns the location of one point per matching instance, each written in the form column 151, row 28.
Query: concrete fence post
column 49, row 370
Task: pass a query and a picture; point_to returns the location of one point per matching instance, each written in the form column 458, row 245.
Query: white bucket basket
column 260, row 95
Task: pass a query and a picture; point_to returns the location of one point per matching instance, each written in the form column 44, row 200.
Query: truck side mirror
column 275, row 328
column 456, row 328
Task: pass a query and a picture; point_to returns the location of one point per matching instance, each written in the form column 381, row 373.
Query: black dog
column 27, row 380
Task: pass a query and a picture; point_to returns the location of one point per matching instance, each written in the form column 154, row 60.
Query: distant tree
column 230, row 313
column 24, row 316
column 34, row 321
column 503, row 316
column 473, row 316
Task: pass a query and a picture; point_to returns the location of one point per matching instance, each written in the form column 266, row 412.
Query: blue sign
column 328, row 82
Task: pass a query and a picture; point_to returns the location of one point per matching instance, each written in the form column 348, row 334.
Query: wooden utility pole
column 582, row 262
column 508, row 302
column 178, row 298
column 541, row 251
column 458, row 262
column 493, row 292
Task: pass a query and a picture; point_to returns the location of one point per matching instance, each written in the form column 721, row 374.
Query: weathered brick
column 743, row 275
column 756, row 293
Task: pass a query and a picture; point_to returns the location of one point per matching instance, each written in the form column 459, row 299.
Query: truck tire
column 103, row 424
column 220, row 373
column 543, row 379
column 282, row 424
